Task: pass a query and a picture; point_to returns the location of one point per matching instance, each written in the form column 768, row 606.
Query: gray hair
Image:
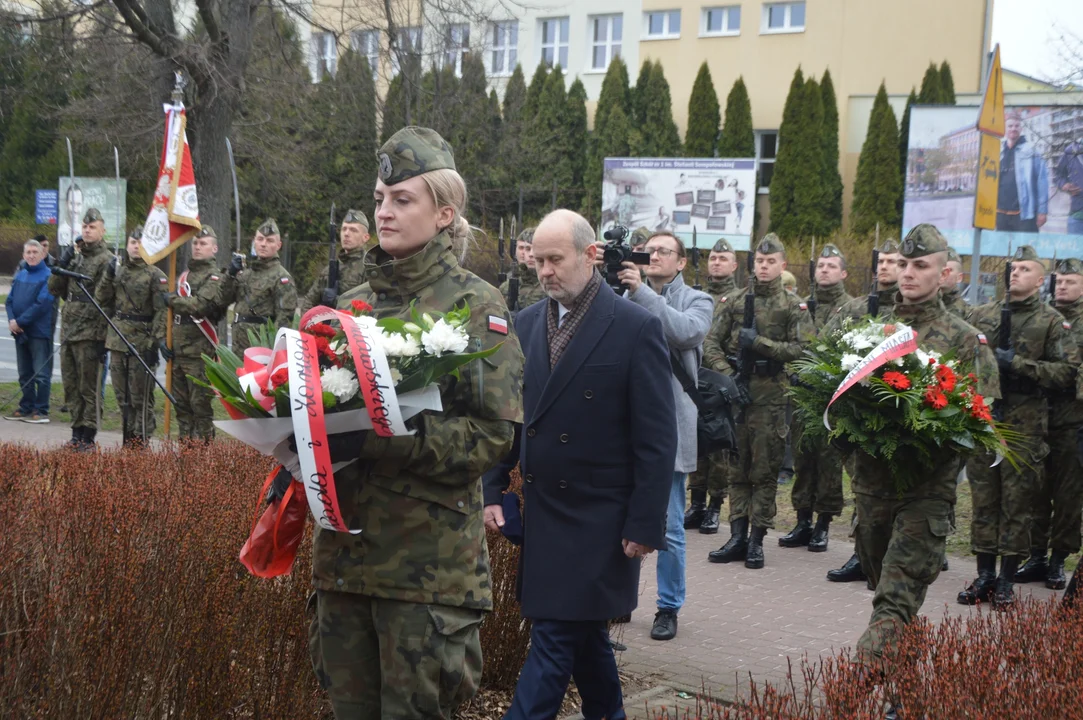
column 33, row 244
column 583, row 235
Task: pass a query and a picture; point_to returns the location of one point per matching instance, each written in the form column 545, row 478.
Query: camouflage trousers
column 713, row 474
column 1003, row 497
column 195, row 417
column 901, row 547
column 761, row 443
column 241, row 342
column 817, row 484
column 1058, row 500
column 81, row 365
column 132, row 385
column 391, row 659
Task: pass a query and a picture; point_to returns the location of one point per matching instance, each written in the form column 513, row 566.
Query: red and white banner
column 174, row 212
column 205, row 326
column 902, row 343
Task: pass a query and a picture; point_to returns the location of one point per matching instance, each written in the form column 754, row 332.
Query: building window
column 409, row 43
column 505, row 53
column 456, row 46
column 783, row 17
column 554, row 42
column 606, row 34
column 324, row 55
column 721, row 21
column 766, row 149
column 662, row 25
column 366, row 43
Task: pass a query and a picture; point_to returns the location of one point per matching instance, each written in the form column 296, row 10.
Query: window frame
column 762, row 189
column 727, row 31
column 322, row 42
column 787, row 27
column 374, row 56
column 562, row 22
column 668, row 32
column 608, row 43
column 415, row 35
column 453, row 54
column 509, row 52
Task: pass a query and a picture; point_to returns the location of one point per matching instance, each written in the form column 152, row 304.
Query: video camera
column 616, row 253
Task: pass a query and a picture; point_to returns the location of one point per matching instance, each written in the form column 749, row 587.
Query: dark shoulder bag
column 715, row 395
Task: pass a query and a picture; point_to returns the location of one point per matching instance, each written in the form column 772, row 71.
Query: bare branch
column 137, row 20
column 206, row 12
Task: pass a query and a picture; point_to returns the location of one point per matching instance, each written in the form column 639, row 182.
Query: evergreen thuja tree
column 830, row 137
column 703, row 116
column 930, row 93
column 660, row 135
column 787, row 173
column 575, row 119
column 878, row 183
column 638, row 114
column 808, row 215
column 534, row 91
column 947, row 84
column 738, row 139
column 904, row 144
column 615, row 94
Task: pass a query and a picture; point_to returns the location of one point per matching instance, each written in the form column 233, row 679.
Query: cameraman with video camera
column 686, row 317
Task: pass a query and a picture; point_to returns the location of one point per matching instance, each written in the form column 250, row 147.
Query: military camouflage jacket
column 351, row 273
column 263, row 289
column 859, row 307
column 830, row 301
column 1065, row 409
column 206, row 283
column 1045, row 359
column 134, row 302
column 954, row 302
column 530, row 290
column 79, row 319
column 722, row 290
column 418, row 498
column 942, row 332
column 784, row 325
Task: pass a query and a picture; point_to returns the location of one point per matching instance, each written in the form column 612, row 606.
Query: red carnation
column 979, row 410
column 945, row 378
column 897, row 380
column 322, row 329
column 360, row 306
column 932, row 361
column 279, row 377
column 935, row 399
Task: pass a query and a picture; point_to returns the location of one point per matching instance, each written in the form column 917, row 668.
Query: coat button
column 460, row 503
column 382, row 296
column 531, row 432
column 564, row 438
column 529, row 478
column 563, row 483
column 340, row 582
column 588, row 394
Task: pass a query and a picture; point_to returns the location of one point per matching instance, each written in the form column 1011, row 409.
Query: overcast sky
column 1030, row 35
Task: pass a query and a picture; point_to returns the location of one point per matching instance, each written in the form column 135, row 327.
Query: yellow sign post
column 991, row 117
column 985, row 199
column 990, row 126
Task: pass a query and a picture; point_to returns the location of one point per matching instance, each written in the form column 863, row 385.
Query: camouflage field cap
column 207, row 231
column 1069, row 266
column 137, row 232
column 722, row 246
column 357, row 217
column 413, row 151
column 640, row 236
column 830, row 250
column 770, row 245
column 1026, row 252
column 92, row 215
column 268, row 228
column 923, row 240
column 526, row 237
column 889, row 247
column 953, row 256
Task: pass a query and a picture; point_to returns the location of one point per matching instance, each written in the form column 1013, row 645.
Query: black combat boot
column 76, row 439
column 696, row 510
column 88, row 444
column 709, row 526
column 944, row 565
column 754, row 556
column 736, row 548
column 981, row 590
column 801, row 533
column 1034, row 569
column 818, row 543
column 1071, row 593
column 1004, row 597
column 1054, row 579
column 849, row 572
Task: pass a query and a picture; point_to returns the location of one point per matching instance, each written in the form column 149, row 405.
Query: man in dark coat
column 596, row 453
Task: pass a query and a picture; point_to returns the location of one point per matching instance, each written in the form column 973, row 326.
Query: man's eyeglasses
column 660, row 251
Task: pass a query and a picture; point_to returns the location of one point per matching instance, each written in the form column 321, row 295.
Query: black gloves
column 328, row 297
column 111, row 268
column 279, row 485
column 66, row 256
column 1004, row 359
column 746, row 337
column 164, row 349
column 236, row 264
column 167, row 298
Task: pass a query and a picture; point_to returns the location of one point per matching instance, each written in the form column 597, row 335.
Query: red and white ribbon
column 259, row 365
column 902, row 343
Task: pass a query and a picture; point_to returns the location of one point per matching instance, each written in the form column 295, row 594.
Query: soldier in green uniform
column 530, row 290
column 82, row 335
column 1042, row 361
column 950, row 294
column 901, row 536
column 817, row 487
column 626, row 207
column 397, row 607
column 263, row 292
column 1058, row 499
column 713, row 471
column 353, row 235
column 197, row 307
column 782, row 326
column 131, row 292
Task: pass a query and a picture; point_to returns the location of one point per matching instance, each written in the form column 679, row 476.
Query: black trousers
column 1015, row 223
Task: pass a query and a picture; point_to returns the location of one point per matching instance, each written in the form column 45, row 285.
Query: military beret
column 889, row 247
column 1069, row 266
column 413, row 151
column 640, row 236
column 770, row 245
column 1026, row 252
column 207, row 231
column 526, row 237
column 923, row 240
column 355, row 216
column 830, row 250
column 92, row 215
column 953, row 256
column 788, row 280
column 268, row 228
column 722, row 246
column 137, row 232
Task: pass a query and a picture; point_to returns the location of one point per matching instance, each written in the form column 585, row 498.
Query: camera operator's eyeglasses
column 659, row 251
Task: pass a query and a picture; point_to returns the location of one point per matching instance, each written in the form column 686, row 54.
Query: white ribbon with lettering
column 901, row 343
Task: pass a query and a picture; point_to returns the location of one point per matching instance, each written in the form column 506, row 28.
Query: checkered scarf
column 559, row 337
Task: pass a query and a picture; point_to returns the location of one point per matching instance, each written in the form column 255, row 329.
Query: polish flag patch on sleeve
column 1067, row 325
column 498, row 325
column 803, row 306
column 982, row 340
column 285, row 281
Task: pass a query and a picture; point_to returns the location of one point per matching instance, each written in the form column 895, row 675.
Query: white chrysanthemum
column 849, row 361
column 924, row 357
column 443, row 338
column 399, row 344
column 340, row 382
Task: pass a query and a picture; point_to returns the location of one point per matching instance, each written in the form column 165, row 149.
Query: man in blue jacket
column 30, row 321
column 1023, row 193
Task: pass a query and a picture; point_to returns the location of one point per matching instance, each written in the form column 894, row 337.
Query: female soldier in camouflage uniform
column 398, row 606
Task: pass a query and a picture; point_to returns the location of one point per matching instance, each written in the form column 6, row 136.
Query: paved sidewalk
column 50, row 434
column 738, row 621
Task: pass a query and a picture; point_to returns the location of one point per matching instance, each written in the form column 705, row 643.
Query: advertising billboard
column 88, row 192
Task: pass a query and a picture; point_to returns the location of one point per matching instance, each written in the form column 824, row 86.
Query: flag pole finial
column 178, row 87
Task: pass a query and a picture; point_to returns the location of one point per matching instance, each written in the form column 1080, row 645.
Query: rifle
column 695, row 261
column 1004, row 338
column 329, row 297
column 748, row 357
column 513, row 279
column 236, row 201
column 121, row 231
column 874, row 294
column 812, row 281
column 1053, row 281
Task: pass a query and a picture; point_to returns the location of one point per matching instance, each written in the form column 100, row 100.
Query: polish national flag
column 174, row 212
